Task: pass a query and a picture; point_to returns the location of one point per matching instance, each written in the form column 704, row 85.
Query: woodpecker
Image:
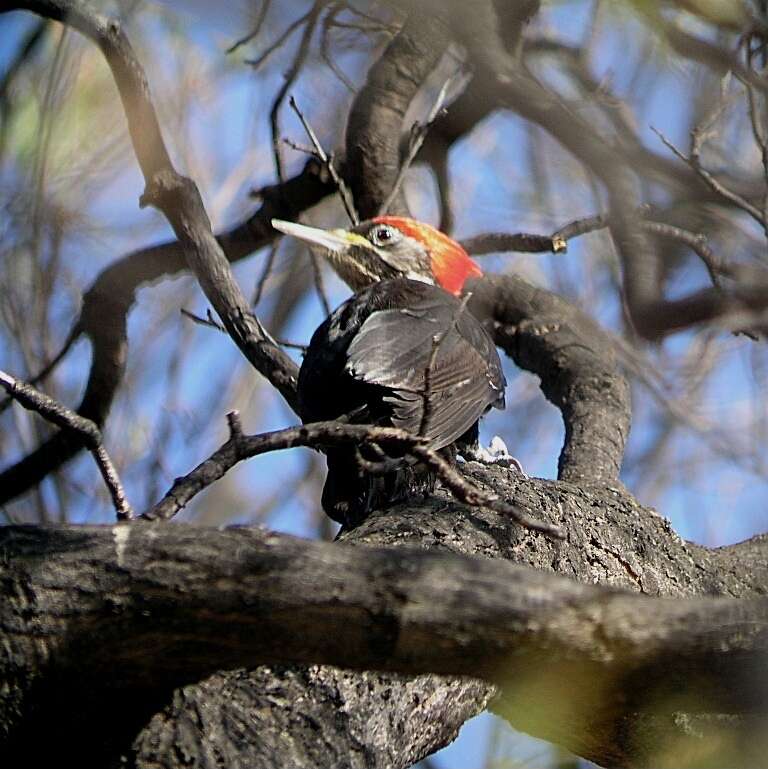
column 404, row 341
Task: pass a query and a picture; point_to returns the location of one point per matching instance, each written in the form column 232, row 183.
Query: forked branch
column 320, row 435
column 60, row 415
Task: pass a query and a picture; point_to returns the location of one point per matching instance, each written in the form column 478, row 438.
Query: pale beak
column 335, row 241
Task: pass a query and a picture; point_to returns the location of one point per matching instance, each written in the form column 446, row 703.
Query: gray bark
column 125, row 615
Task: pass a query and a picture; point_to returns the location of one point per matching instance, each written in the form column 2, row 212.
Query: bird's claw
column 495, row 454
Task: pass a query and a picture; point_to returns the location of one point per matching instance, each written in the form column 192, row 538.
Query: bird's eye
column 383, row 235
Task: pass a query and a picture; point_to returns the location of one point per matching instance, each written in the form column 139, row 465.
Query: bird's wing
column 395, row 348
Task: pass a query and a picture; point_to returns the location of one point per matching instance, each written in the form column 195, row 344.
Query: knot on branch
column 170, row 192
column 114, row 30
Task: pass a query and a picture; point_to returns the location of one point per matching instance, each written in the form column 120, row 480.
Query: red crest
column 451, row 264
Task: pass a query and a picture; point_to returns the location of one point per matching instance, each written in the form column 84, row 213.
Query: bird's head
column 389, row 247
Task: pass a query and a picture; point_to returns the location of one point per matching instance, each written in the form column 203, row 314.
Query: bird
column 403, row 343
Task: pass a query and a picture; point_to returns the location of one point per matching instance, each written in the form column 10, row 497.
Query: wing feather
column 394, row 348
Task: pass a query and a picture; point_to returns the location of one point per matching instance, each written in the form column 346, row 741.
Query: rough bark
column 125, row 615
column 573, row 357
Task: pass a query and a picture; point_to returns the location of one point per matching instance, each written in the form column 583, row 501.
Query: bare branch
column 263, row 11
column 256, row 63
column 317, row 274
column 310, row 22
column 46, row 370
column 613, row 658
column 375, row 124
column 265, row 273
column 323, row 434
column 176, row 196
column 327, row 161
column 713, row 183
column 698, row 244
column 545, row 334
column 107, row 302
column 208, row 321
column 54, row 412
column 416, row 138
column 329, row 22
column 522, row 242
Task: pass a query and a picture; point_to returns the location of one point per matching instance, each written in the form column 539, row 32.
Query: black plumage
column 370, row 358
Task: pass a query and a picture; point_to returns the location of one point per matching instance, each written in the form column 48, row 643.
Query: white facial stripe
column 420, row 278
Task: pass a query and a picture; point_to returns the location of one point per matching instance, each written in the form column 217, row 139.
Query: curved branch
column 376, row 119
column 176, row 196
column 54, row 412
column 545, row 334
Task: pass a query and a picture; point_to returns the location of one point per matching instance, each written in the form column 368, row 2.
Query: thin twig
column 268, row 265
column 327, row 161
column 317, row 271
column 291, row 345
column 325, row 40
column 208, row 321
column 419, row 132
column 300, row 147
column 757, row 123
column 61, row 416
column 290, row 76
column 319, row 435
column 713, row 184
column 697, row 243
column 265, row 4
column 705, row 129
column 256, row 63
column 46, row 370
column 382, row 465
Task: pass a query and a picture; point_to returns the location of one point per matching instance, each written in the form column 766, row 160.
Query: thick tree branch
column 252, row 597
column 105, row 306
column 107, row 302
column 505, row 83
column 376, row 119
column 176, row 196
column 545, row 334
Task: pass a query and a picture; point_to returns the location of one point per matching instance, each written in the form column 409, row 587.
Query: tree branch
column 376, row 118
column 323, row 434
column 107, row 302
column 90, row 434
column 176, row 196
column 545, row 334
column 245, row 601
